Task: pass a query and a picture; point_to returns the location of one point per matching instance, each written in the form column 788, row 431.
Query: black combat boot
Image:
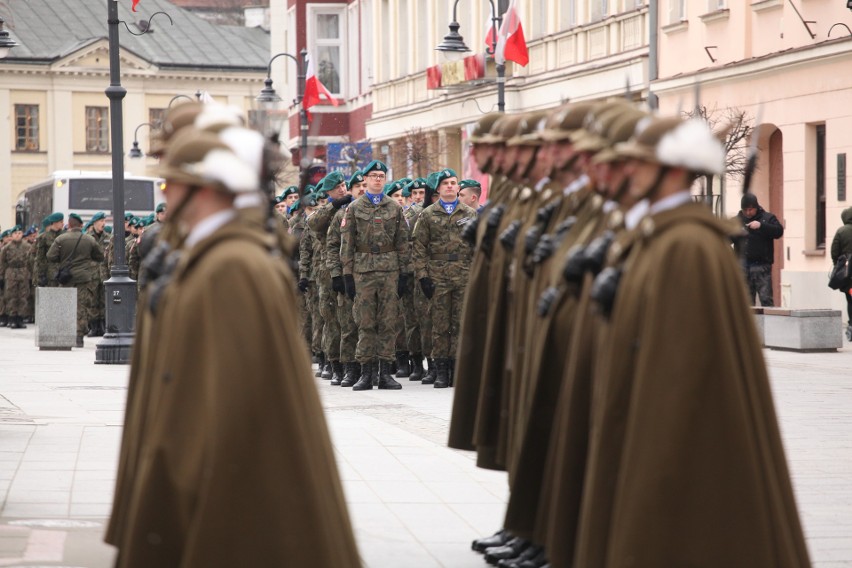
column 101, row 327
column 416, row 367
column 336, row 373
column 376, row 374
column 386, row 380
column 350, row 374
column 429, row 377
column 442, row 376
column 451, row 371
column 4, row 320
column 79, row 341
column 20, row 323
column 93, row 329
column 511, row 549
column 499, row 538
column 326, row 371
column 320, row 364
column 403, row 365
column 365, row 382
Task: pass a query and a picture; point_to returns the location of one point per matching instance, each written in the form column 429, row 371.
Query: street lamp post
column 135, row 152
column 115, row 346
column 269, row 101
column 6, row 41
column 453, row 44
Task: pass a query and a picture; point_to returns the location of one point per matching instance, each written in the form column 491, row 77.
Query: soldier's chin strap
column 658, row 182
column 171, row 229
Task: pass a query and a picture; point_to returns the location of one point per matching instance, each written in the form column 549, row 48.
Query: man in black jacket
column 756, row 249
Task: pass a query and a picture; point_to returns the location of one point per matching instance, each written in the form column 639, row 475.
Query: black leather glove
column 338, row 203
column 427, row 286
column 402, row 285
column 349, row 283
column 303, row 285
column 42, row 281
column 337, row 284
column 468, row 234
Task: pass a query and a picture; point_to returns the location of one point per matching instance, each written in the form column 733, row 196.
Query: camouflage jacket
column 332, row 244
column 15, row 262
column 306, row 257
column 43, row 268
column 439, row 250
column 82, row 258
column 374, row 238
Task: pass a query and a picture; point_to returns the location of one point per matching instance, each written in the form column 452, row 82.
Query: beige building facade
column 789, row 66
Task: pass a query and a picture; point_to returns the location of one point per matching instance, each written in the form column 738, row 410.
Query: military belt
column 375, row 249
column 450, row 257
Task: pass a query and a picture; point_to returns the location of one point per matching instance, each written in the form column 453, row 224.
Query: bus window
column 96, row 195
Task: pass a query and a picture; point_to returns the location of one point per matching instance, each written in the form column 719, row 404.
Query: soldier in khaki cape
column 374, row 252
column 356, row 186
column 15, row 277
column 82, row 253
column 442, row 264
column 239, row 495
column 687, row 436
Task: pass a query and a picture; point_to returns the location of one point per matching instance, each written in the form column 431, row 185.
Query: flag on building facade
column 314, row 89
column 511, row 44
column 135, row 2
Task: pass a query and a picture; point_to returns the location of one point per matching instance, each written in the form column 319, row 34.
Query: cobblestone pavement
column 413, row 502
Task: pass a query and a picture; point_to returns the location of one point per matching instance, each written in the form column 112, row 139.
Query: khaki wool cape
column 686, row 465
column 228, row 459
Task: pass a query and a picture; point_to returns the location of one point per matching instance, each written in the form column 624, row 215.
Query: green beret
column 15, row 229
column 391, row 188
column 405, row 180
column 290, row 191
column 469, row 183
column 108, row 229
column 419, row 183
column 309, row 189
column 55, row 218
column 357, row 177
column 319, row 193
column 309, row 200
column 75, row 216
column 4, row 234
column 278, row 199
column 375, row 165
column 98, row 216
column 332, row 180
column 446, row 173
column 160, row 208
column 151, row 218
column 128, row 216
column 432, row 181
column 295, row 206
column 31, row 231
column 87, row 225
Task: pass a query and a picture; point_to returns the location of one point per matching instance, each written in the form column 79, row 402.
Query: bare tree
column 737, row 126
column 422, row 157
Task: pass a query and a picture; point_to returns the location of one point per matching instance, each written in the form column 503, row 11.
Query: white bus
column 86, row 193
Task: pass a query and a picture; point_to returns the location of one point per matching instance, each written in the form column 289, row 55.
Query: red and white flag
column 314, row 89
column 135, row 2
column 511, row 44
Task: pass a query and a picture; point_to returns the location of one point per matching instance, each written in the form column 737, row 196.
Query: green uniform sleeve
column 420, row 247
column 347, row 238
column 332, row 247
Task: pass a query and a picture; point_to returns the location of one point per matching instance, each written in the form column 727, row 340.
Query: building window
column 367, row 46
column 598, row 9
column 26, row 128
column 328, row 39
column 539, row 18
column 820, row 186
column 677, row 11
column 97, row 129
column 714, row 5
column 568, row 14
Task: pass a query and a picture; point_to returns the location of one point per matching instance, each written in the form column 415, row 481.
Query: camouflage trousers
column 446, row 315
column 316, row 318
column 331, row 327
column 423, row 313
column 375, row 311
column 412, row 341
column 305, row 317
column 348, row 329
column 98, row 310
column 759, row 278
column 16, row 297
column 85, row 299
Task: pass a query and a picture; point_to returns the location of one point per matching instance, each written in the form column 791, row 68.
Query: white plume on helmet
column 227, row 169
column 692, row 145
column 215, row 116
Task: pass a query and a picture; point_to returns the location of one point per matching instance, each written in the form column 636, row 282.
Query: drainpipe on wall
column 653, row 26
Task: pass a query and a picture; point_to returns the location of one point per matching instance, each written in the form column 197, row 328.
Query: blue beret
column 375, row 165
column 55, row 218
column 32, row 229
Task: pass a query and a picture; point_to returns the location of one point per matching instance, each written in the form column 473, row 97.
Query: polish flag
column 511, row 45
column 135, row 2
column 314, row 89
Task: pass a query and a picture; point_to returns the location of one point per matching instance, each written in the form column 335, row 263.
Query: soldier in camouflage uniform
column 415, row 306
column 334, row 187
column 296, row 228
column 307, row 280
column 30, row 236
column 4, row 318
column 374, row 252
column 442, row 262
column 97, row 324
column 45, row 271
column 15, row 277
column 396, row 192
column 356, row 187
column 82, row 253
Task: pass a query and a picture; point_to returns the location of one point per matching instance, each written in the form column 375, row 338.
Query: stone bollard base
column 56, row 318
